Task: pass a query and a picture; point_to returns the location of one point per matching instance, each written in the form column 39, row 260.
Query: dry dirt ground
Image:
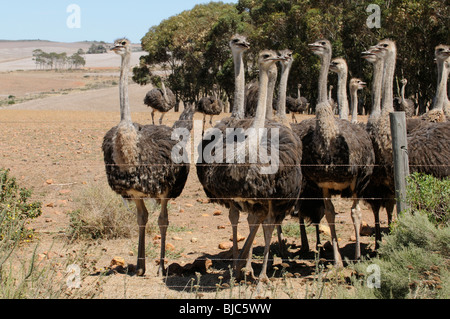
column 53, row 146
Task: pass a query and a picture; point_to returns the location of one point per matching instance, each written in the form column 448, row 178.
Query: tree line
column 193, row 45
column 58, row 61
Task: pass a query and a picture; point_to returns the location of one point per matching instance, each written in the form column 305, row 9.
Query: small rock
column 194, row 240
column 50, row 205
column 225, row 246
column 170, row 247
column 220, row 227
column 118, row 261
column 65, row 191
column 189, row 205
column 217, row 213
column 49, row 181
column 181, row 210
column 177, row 238
column 239, row 238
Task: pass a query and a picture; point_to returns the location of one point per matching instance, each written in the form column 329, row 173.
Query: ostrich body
column 337, row 155
column 298, row 105
column 161, row 100
column 403, row 104
column 209, row 105
column 340, row 67
column 138, row 161
column 267, row 198
column 355, row 85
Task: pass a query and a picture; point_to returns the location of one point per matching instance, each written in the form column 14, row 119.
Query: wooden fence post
column 400, row 154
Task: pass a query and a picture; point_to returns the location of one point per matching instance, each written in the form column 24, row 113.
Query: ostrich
column 138, row 161
column 298, row 105
column 161, row 100
column 251, row 95
column 239, row 46
column 337, row 155
column 402, row 104
column 339, row 66
column 383, row 57
column 429, row 145
column 441, row 105
column 355, row 85
column 209, row 105
column 266, row 197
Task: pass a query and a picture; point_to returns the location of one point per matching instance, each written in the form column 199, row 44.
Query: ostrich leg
column 142, row 218
column 330, row 215
column 163, row 222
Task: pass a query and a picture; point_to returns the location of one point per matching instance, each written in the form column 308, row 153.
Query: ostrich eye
column 385, row 45
column 124, row 43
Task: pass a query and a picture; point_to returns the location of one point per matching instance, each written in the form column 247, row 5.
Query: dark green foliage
column 15, row 209
column 194, row 44
column 429, row 194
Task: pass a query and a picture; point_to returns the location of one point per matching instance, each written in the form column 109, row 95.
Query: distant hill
column 17, row 55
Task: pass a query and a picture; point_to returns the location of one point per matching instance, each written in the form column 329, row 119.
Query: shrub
column 431, row 195
column 102, row 214
column 15, row 209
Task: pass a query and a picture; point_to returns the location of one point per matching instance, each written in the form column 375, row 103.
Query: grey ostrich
column 209, row 105
column 337, row 155
column 402, row 104
column 441, row 53
column 339, row 66
column 354, row 86
column 383, row 57
column 138, row 161
column 266, row 197
column 297, row 105
column 160, row 100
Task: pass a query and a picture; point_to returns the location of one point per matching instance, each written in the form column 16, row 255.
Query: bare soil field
column 53, row 146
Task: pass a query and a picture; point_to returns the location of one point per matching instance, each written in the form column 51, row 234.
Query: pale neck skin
column 323, row 78
column 441, row 94
column 377, row 83
column 260, row 116
column 354, row 103
column 285, row 69
column 273, row 73
column 342, row 95
column 239, row 95
column 125, row 113
column 388, row 82
column 403, row 91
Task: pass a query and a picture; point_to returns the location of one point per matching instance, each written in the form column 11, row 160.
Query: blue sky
column 97, row 20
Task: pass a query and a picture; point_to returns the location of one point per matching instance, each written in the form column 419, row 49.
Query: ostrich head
column 339, row 66
column 287, row 57
column 357, row 84
column 442, row 52
column 238, row 43
column 321, row 47
column 370, row 55
column 385, row 48
column 121, row 46
column 267, row 58
column 404, row 81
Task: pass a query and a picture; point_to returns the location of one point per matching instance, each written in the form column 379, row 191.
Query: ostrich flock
column 315, row 159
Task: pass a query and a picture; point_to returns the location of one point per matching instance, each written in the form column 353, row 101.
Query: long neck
column 260, row 116
column 271, row 89
column 441, row 93
column 299, row 94
column 377, row 83
column 239, row 93
column 125, row 113
column 323, row 78
column 165, row 96
column 388, row 84
column 285, row 69
column 342, row 95
column 403, row 92
column 354, row 103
